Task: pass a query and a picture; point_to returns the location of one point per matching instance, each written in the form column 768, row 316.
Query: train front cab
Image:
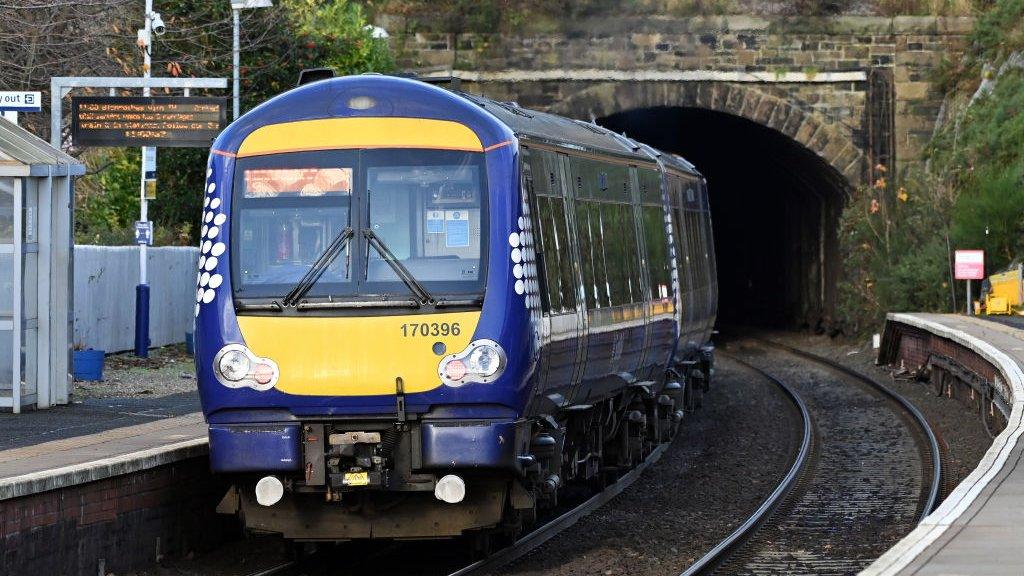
column 356, row 380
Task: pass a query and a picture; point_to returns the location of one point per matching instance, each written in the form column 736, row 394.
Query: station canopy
column 36, row 255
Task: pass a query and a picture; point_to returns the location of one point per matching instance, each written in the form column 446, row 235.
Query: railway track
column 872, row 470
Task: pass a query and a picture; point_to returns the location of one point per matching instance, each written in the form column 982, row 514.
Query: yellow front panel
column 356, row 356
column 339, row 133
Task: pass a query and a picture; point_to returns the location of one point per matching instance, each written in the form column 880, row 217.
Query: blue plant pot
column 190, row 343
column 89, row 365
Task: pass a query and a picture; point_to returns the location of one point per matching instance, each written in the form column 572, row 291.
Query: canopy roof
column 24, row 154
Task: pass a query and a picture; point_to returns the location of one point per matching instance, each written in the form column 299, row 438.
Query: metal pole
column 56, row 96
column 142, row 290
column 234, row 63
column 969, row 298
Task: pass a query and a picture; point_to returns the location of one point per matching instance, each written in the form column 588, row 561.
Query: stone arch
column 824, row 138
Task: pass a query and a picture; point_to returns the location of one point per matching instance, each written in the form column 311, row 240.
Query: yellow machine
column 1003, row 293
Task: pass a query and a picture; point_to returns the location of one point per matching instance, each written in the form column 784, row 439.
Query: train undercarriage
column 427, row 476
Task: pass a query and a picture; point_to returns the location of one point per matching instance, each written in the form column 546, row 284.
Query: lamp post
column 154, row 24
column 236, row 8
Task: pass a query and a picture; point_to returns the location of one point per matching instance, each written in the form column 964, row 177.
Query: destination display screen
column 164, row 121
column 271, row 182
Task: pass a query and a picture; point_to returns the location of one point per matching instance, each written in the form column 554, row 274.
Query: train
column 421, row 313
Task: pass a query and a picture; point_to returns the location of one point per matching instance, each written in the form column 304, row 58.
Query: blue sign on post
column 144, row 233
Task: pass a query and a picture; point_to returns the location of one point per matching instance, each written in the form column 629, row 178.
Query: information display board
column 165, row 121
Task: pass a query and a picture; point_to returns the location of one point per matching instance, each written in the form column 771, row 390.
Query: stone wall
column 819, row 66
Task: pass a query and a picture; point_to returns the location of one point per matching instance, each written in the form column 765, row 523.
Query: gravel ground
column 957, row 427
column 712, row 478
column 168, row 370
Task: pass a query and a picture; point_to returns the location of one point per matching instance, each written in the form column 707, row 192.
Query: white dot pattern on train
column 210, row 248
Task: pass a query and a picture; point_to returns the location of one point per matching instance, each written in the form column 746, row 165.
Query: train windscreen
column 363, row 221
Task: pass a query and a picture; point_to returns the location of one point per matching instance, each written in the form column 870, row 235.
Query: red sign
column 969, row 265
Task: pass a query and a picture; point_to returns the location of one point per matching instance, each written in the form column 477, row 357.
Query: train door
column 682, row 246
column 557, row 270
column 645, row 280
column 660, row 305
column 711, row 262
column 582, row 322
column 698, row 262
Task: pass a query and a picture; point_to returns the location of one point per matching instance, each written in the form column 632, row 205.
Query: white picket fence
column 104, row 305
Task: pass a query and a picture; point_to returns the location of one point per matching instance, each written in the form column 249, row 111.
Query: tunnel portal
column 775, row 208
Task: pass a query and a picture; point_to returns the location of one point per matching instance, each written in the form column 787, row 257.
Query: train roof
column 672, row 161
column 567, row 132
column 493, row 121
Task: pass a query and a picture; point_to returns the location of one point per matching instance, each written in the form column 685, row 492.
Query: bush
column 971, row 195
column 893, row 240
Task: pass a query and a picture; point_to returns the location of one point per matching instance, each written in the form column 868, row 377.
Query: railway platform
column 976, row 530
column 75, row 477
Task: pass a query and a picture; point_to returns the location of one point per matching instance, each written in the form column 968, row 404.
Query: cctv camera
column 158, row 24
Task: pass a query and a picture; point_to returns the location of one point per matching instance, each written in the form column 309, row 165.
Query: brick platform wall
column 914, row 346
column 119, row 520
column 910, row 347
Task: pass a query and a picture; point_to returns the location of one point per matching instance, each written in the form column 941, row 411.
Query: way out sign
column 21, row 101
column 969, row 265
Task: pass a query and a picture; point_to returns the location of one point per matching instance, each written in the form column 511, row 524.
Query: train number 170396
column 431, row 329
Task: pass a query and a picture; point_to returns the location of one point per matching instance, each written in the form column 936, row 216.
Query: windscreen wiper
column 319, row 267
column 403, row 273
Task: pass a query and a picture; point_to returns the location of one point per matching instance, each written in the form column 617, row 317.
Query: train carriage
column 421, row 313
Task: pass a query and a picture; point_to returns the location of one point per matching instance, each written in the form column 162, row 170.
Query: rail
column 550, row 529
column 725, row 548
column 729, row 547
column 933, row 444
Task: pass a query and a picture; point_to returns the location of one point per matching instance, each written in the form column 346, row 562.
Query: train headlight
column 482, row 361
column 235, row 366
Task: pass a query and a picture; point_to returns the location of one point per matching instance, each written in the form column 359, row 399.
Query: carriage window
column 620, row 251
column 656, row 241
column 555, row 252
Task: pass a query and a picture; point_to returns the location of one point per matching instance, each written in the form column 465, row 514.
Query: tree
column 44, row 38
column 276, row 43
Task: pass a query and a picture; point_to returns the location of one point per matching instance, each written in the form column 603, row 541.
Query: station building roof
column 25, row 154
